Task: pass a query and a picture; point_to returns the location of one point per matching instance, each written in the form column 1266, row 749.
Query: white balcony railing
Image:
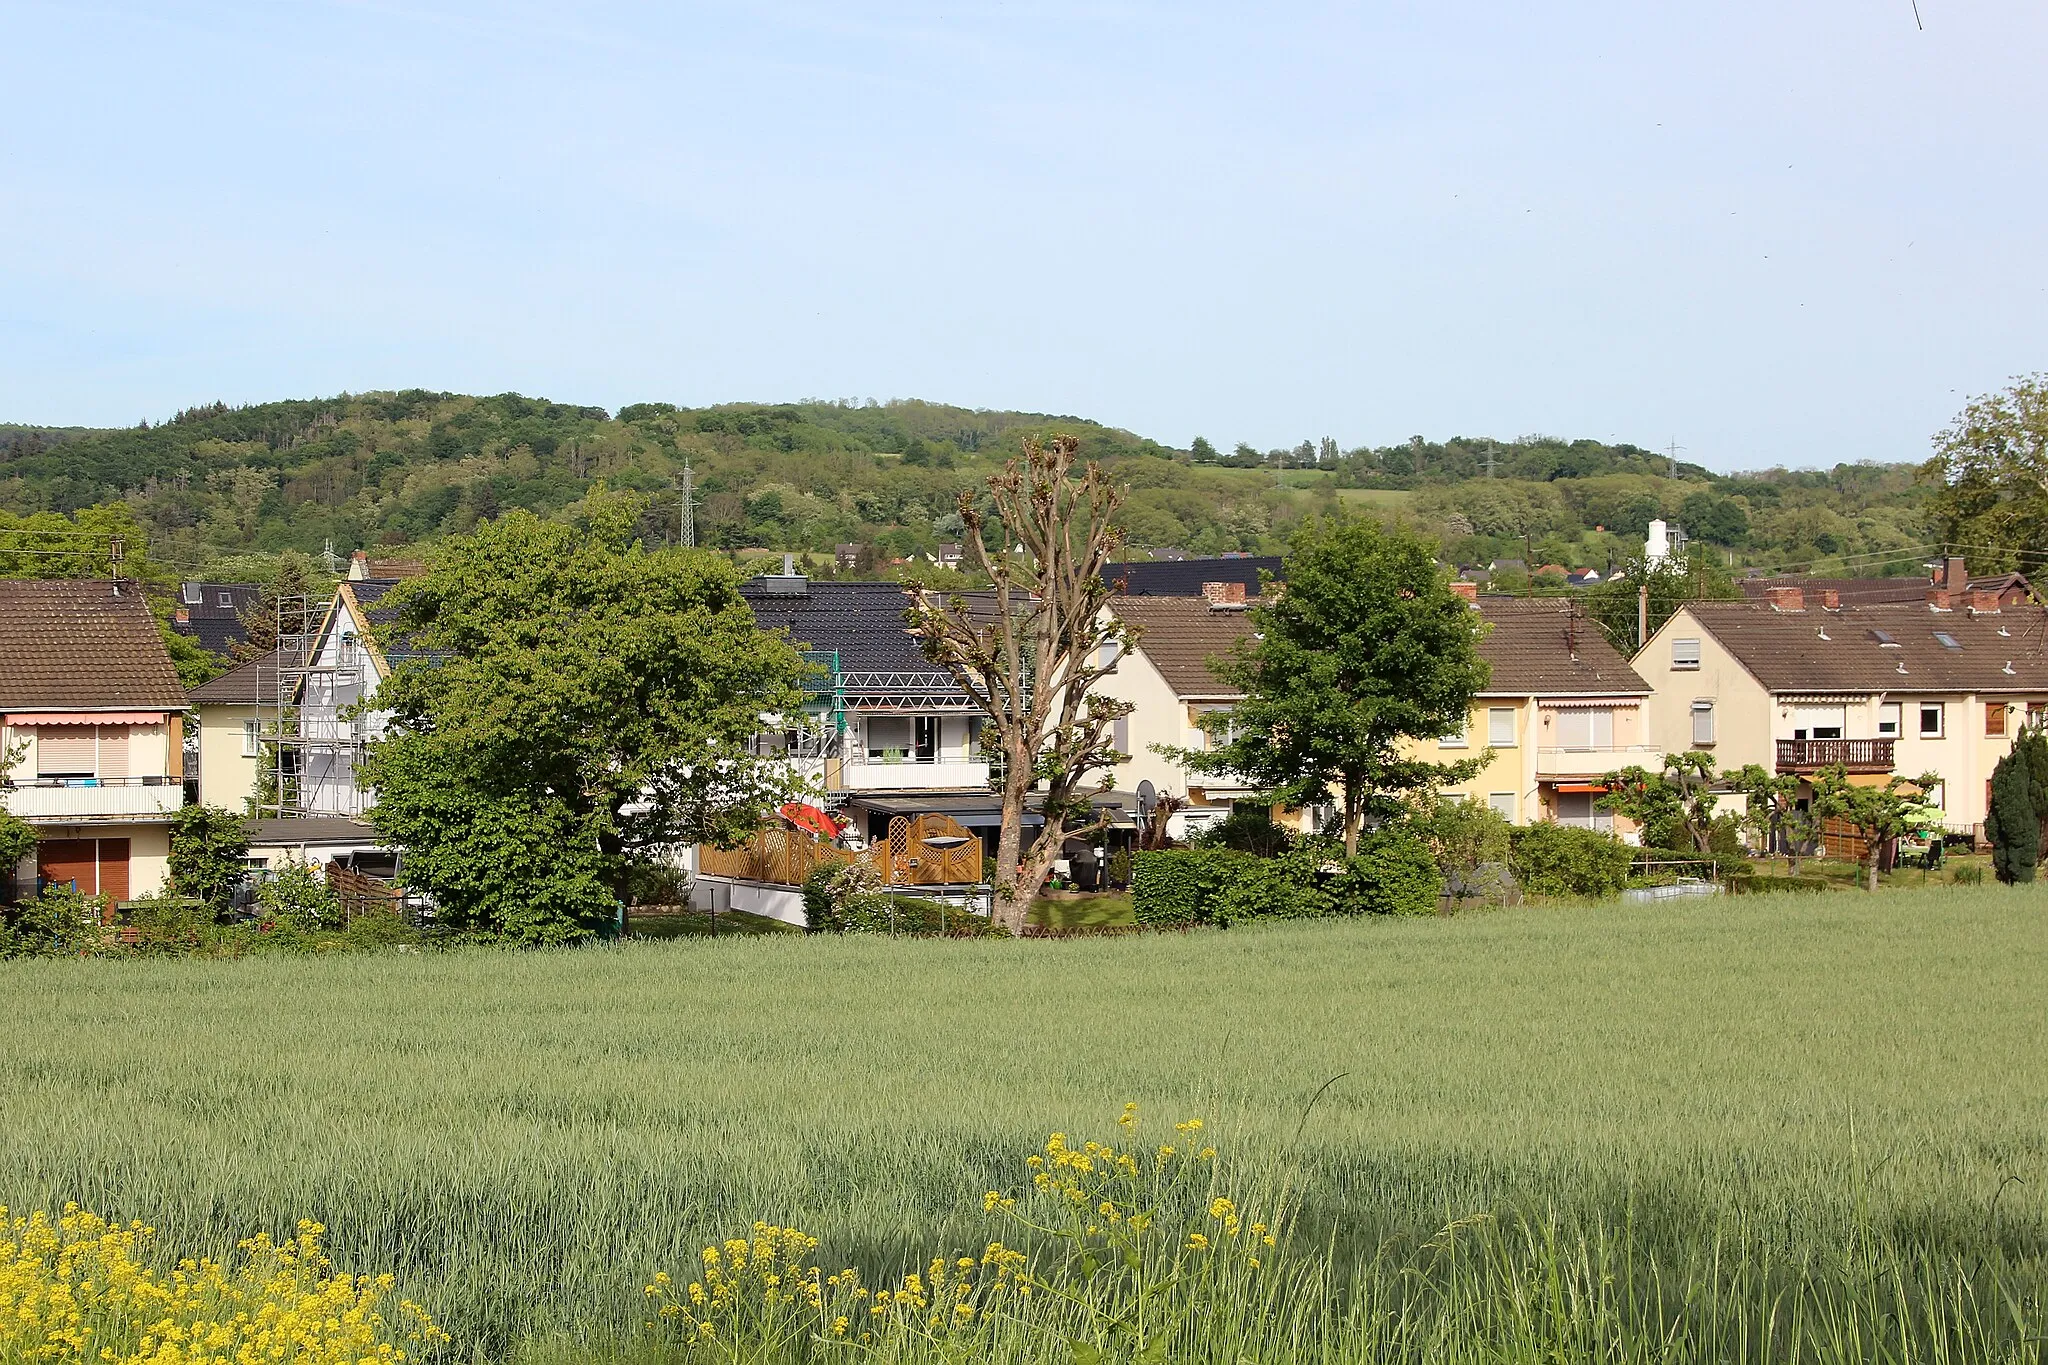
column 862, row 773
column 1595, row 762
column 132, row 798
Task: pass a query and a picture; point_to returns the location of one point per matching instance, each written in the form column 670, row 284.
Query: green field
column 1820, row 1082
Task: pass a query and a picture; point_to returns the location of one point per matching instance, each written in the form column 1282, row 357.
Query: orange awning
column 85, row 717
column 1582, row 786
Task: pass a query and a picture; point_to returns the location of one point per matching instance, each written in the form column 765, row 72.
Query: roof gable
column 1179, row 635
column 1544, row 646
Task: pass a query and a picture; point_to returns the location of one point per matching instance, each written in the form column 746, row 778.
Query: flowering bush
column 1128, row 1243
column 79, row 1289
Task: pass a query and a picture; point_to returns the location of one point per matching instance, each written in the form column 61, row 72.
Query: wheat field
column 525, row 1138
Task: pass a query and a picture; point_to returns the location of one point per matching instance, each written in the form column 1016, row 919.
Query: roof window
column 1947, row 640
column 1884, row 638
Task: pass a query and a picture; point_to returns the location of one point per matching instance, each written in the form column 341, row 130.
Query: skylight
column 1947, row 640
column 1884, row 637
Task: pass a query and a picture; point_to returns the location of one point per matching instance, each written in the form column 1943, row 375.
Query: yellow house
column 231, row 711
column 1562, row 709
column 1795, row 683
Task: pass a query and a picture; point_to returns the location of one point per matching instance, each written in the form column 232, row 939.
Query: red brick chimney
column 1954, row 576
column 1786, row 599
column 1831, row 599
column 1983, row 599
column 1224, row 594
column 1938, row 598
column 1468, row 591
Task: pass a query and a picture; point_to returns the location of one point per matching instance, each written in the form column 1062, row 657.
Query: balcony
column 1857, row 755
column 59, row 800
column 1595, row 761
column 860, row 772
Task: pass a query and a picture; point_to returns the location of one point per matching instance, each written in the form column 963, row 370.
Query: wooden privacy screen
column 921, row 850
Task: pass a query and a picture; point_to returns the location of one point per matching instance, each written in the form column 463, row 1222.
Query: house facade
column 1561, row 710
column 1795, row 684
column 890, row 734
column 1166, row 677
column 232, row 714
column 91, row 719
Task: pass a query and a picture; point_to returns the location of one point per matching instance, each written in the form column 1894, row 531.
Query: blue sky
column 1777, row 233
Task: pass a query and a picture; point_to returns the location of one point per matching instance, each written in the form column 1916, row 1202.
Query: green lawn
column 1106, row 909
column 525, row 1137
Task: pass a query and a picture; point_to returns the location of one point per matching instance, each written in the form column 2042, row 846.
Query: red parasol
column 812, row 820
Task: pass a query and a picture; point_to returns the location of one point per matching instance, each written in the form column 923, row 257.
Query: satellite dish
column 1148, row 797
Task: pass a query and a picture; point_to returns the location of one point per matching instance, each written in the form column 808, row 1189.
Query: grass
column 1714, row 1096
column 700, row 924
column 1097, row 909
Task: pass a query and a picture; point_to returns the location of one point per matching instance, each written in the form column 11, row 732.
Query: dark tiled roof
column 1537, row 646
column 248, row 684
column 76, row 644
column 1180, row 635
column 1785, row 651
column 1185, row 577
column 218, row 634
column 202, row 600
column 311, row 829
column 863, row 621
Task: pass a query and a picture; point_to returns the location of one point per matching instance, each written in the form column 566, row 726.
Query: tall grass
column 1694, row 1132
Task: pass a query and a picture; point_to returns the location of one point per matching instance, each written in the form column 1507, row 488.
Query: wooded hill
column 390, row 469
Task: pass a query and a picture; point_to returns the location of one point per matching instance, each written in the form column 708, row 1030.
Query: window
column 1685, row 653
column 1585, row 729
column 1458, row 738
column 251, row 729
column 1930, row 719
column 1500, row 726
column 925, row 741
column 1994, row 718
column 1884, row 639
column 66, row 751
column 1946, row 640
column 1888, row 720
column 1503, row 804
column 227, row 599
column 1702, row 722
column 1120, row 734
column 888, row 738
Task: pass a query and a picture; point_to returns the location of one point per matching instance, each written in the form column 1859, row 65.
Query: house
column 362, row 568
column 1189, row 577
column 1561, row 709
column 91, row 719
column 846, row 554
column 1583, row 578
column 325, row 673
column 1794, row 685
column 897, row 734
column 1165, row 674
column 211, row 613
column 947, row 556
column 233, row 712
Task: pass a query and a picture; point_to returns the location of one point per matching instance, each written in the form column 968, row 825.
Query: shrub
column 1120, row 867
column 1563, row 860
column 208, row 845
column 1287, row 887
column 819, row 916
column 1471, row 842
column 59, row 922
column 298, row 898
column 1394, row 873
column 1766, row 882
column 1249, row 828
column 1176, row 885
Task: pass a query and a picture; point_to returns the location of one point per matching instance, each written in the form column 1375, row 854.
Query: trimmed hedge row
column 1392, row 874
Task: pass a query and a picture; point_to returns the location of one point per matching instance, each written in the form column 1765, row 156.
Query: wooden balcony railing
column 1857, row 755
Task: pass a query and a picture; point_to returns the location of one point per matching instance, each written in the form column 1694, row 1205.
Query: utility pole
column 1672, row 450
column 1642, row 615
column 686, row 515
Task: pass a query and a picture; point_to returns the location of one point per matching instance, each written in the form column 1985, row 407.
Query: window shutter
column 65, row 751
column 114, row 756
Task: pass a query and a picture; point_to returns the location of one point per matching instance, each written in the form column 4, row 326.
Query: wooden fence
column 923, row 850
column 361, row 894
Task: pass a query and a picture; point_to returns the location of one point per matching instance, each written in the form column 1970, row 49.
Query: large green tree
column 1990, row 469
column 571, row 706
column 1366, row 652
column 1674, row 806
column 209, row 847
column 2013, row 825
column 1877, row 814
column 1771, row 807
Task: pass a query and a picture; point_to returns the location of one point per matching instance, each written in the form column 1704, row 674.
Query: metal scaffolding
column 311, row 744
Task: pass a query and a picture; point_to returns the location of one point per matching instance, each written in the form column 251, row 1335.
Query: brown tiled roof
column 1180, row 635
column 249, row 684
column 77, row 644
column 1856, row 592
column 1538, row 647
column 1786, row 651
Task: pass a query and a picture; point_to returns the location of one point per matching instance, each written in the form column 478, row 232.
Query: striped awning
column 86, row 717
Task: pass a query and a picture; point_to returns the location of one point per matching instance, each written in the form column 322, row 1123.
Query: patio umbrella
column 811, row 820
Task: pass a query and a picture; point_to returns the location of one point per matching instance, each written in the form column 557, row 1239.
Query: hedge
column 1393, row 873
column 1564, row 860
column 1175, row 886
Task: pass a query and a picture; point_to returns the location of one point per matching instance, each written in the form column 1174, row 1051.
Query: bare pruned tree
column 1031, row 650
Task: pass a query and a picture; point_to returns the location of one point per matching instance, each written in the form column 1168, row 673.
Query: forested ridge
column 215, row 483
